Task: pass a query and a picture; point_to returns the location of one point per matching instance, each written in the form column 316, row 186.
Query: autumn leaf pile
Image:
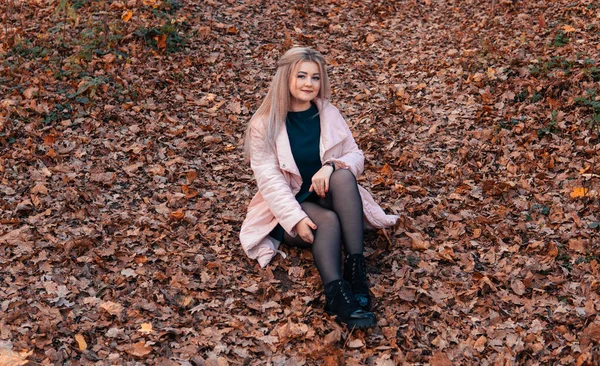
column 123, row 184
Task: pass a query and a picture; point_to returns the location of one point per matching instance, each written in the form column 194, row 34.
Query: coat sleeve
column 272, row 185
column 352, row 157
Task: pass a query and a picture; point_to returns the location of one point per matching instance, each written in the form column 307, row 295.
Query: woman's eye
column 316, row 78
column 300, row 76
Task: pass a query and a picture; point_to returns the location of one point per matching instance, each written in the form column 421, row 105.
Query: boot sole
column 355, row 323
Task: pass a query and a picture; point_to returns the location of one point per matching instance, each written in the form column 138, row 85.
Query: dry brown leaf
column 29, row 92
column 418, row 242
column 356, row 343
column 8, row 357
column 517, row 286
column 480, row 343
column 440, row 359
column 139, row 349
column 112, row 308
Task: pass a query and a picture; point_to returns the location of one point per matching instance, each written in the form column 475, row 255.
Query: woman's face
column 305, row 83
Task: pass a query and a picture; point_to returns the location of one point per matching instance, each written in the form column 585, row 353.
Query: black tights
column 339, row 219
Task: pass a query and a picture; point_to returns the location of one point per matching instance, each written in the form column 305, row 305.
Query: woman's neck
column 299, row 107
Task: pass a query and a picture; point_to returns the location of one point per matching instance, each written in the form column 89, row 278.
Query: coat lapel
column 332, row 131
column 284, row 152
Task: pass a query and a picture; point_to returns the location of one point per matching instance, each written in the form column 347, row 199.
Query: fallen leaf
column 517, row 286
column 579, row 192
column 161, row 41
column 29, row 92
column 112, row 308
column 568, row 29
column 418, row 243
column 81, row 343
column 146, row 328
column 139, row 349
column 39, row 188
column 356, row 343
column 126, row 16
column 480, row 343
column 440, row 359
column 8, row 357
column 177, row 215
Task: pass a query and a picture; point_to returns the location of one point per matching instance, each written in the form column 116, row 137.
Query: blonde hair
column 276, row 104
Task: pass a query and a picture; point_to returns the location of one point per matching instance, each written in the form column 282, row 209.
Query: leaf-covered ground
column 123, row 185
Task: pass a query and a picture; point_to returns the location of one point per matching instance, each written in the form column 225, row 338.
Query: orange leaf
column 568, row 29
column 177, row 215
column 579, row 192
column 126, row 16
column 386, row 171
column 191, row 176
column 161, row 41
column 189, row 192
column 81, row 343
column 49, row 140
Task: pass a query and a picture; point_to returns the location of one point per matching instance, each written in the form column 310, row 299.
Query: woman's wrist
column 331, row 164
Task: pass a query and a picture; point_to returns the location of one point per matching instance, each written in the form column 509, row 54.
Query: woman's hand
column 304, row 229
column 320, row 181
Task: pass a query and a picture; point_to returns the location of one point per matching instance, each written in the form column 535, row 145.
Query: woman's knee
column 327, row 219
column 342, row 177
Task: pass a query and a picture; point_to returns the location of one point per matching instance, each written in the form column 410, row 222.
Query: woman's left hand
column 320, row 181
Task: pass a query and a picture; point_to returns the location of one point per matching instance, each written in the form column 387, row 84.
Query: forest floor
column 123, row 185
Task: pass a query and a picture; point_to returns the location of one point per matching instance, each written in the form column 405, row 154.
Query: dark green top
column 304, row 133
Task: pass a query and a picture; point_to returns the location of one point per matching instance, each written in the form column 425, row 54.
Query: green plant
column 68, row 12
column 166, row 37
column 560, row 39
column 58, row 113
column 593, row 105
column 550, row 128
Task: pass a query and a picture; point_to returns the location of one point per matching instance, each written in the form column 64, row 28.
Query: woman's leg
column 344, row 199
column 326, row 246
column 327, row 255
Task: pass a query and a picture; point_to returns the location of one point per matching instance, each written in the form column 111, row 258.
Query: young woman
column 305, row 162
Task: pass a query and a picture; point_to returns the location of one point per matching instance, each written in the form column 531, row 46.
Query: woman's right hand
column 304, row 229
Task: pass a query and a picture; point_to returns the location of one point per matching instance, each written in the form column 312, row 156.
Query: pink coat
column 278, row 180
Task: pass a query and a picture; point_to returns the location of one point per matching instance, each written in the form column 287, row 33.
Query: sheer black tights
column 339, row 219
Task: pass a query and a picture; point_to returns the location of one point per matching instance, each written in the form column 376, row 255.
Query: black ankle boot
column 339, row 301
column 355, row 272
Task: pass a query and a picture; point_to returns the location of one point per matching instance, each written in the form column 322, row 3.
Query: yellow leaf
column 579, row 192
column 568, row 29
column 127, row 14
column 81, row 343
column 146, row 328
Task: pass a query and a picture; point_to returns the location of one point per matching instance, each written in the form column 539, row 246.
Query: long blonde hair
column 276, row 104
